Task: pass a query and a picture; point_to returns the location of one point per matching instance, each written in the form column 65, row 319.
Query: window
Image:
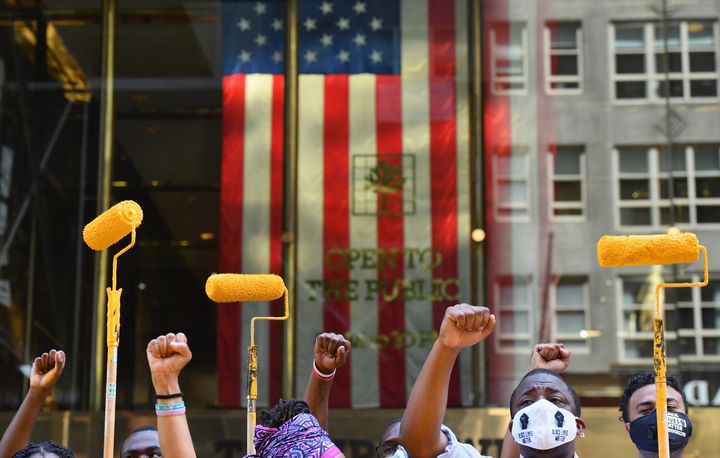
column 508, row 44
column 698, row 321
column 636, row 315
column 639, row 60
column 512, row 187
column 692, row 319
column 570, row 296
column 567, row 167
column 563, row 60
column 512, row 294
column 645, row 195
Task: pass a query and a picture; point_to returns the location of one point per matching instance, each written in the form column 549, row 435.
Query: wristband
column 163, row 407
column 170, row 413
column 169, row 396
column 321, row 376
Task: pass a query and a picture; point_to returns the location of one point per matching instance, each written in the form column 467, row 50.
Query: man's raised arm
column 463, row 326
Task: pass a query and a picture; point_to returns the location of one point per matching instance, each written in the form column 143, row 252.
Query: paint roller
column 102, row 232
column 641, row 250
column 246, row 288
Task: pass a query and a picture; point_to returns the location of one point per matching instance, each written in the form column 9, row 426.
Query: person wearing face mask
column 545, row 409
column 550, row 356
column 637, row 408
column 545, row 414
column 421, row 432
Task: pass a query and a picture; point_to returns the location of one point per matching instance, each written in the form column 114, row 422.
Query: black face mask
column 643, row 431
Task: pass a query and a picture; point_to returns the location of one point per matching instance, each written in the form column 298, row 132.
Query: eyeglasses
column 385, row 451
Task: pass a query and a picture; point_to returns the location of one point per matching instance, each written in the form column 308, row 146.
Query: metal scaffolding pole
column 107, row 135
column 290, row 154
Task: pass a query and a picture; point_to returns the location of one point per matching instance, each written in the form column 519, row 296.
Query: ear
column 580, row 426
column 627, row 427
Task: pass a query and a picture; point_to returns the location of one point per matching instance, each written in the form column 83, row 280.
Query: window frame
column 548, row 53
column 583, row 280
column 524, row 79
column 697, row 332
column 624, row 335
column 498, row 177
column 651, row 77
column 582, row 177
column 499, row 335
column 655, row 202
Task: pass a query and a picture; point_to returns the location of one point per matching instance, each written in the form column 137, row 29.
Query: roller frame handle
column 113, row 341
column 252, row 391
column 660, row 357
column 660, row 363
column 110, row 397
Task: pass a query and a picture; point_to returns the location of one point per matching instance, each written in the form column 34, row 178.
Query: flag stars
column 376, row 57
column 311, row 56
column 260, row 8
column 326, row 8
column 277, row 25
column 343, row 56
column 244, row 56
column 360, row 8
column 326, row 40
column 310, row 24
column 261, row 40
column 359, row 39
column 343, row 23
column 277, row 57
column 244, row 24
column 376, row 24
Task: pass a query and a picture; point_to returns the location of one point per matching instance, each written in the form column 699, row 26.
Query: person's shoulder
column 457, row 449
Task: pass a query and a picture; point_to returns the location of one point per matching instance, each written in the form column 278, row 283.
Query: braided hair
column 43, row 448
column 283, row 412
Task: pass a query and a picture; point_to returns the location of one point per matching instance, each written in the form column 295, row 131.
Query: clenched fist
column 46, row 370
column 465, row 325
column 167, row 356
column 551, row 356
column 331, row 351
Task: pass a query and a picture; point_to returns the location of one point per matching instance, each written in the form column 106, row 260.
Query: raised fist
column 331, row 351
column 167, row 355
column 551, row 356
column 46, row 370
column 465, row 325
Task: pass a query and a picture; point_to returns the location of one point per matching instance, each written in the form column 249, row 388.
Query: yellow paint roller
column 246, row 288
column 102, row 232
column 640, row 250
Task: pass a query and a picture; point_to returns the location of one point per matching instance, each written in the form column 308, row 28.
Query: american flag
column 383, row 210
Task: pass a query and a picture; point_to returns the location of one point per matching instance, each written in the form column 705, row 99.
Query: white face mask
column 399, row 453
column 543, row 425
